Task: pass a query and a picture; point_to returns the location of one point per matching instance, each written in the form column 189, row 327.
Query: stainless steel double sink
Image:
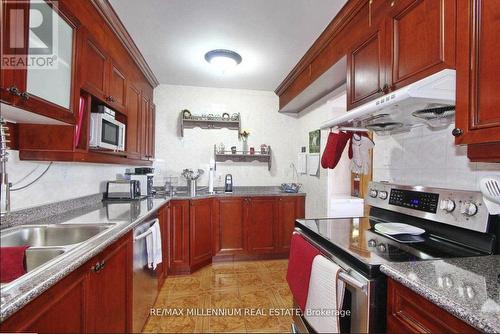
column 46, row 242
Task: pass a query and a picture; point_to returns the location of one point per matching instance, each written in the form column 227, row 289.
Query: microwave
column 105, row 131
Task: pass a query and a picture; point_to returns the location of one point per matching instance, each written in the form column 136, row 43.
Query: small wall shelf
column 210, row 123
column 240, row 156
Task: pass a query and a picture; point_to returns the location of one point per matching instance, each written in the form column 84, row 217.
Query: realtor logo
column 32, row 38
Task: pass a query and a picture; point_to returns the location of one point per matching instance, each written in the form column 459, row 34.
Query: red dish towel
column 334, row 147
column 300, row 262
column 12, row 261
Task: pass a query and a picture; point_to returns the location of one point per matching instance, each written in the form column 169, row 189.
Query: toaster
column 123, row 189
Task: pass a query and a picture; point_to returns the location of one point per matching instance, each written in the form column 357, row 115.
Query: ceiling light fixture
column 222, row 59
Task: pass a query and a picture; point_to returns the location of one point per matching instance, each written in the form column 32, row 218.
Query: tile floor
column 254, row 294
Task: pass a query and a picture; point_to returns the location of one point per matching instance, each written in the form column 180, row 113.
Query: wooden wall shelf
column 198, row 122
column 240, row 156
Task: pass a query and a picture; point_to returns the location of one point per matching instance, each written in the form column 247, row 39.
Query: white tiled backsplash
column 426, row 157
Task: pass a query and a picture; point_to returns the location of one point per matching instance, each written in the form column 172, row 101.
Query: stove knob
column 372, row 243
column 373, row 193
column 383, row 194
column 469, row 209
column 447, row 205
column 381, row 248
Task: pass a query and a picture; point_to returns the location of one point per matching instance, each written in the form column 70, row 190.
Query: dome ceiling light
column 222, row 59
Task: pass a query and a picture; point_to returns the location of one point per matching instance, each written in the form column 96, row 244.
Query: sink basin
column 49, row 235
column 35, row 257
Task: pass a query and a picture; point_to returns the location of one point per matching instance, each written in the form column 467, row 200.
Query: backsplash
column 426, row 157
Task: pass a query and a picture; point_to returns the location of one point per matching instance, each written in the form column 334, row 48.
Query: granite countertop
column 468, row 288
column 238, row 192
column 123, row 216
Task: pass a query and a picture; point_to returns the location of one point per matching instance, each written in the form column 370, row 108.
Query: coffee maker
column 145, row 177
column 228, row 184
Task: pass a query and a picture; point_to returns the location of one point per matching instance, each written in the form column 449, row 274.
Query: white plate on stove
column 398, row 228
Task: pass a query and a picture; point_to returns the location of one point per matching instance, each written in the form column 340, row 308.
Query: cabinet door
column 477, row 112
column 93, row 68
column 133, row 122
column 408, row 312
column 289, row 209
column 178, row 241
column 366, row 69
column 144, row 133
column 12, row 40
column 117, row 88
column 151, row 128
column 422, row 38
column 164, row 216
column 200, row 217
column 110, row 290
column 230, row 238
column 261, row 217
column 58, row 310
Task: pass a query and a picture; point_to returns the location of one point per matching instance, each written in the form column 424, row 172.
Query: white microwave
column 106, row 132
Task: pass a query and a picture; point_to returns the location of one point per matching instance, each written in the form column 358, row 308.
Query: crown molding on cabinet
column 108, row 13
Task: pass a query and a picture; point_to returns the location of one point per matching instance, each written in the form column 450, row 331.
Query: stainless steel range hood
column 430, row 101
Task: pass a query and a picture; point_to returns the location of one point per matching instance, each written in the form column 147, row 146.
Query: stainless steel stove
column 456, row 224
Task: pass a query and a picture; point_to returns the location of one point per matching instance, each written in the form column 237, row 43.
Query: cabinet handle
column 457, row 132
column 25, row 96
column 385, row 89
column 13, row 90
column 110, row 99
column 98, row 267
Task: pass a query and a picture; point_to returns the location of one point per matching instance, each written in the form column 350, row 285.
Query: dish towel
column 361, row 145
column 326, row 293
column 12, row 263
column 153, row 245
column 334, row 148
column 300, row 261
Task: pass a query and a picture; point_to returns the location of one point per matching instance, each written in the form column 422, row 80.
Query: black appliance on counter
column 120, row 190
column 228, row 184
column 456, row 224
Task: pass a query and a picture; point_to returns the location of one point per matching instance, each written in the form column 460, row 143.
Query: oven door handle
column 348, row 279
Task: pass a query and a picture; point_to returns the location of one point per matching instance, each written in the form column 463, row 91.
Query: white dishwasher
column 145, row 281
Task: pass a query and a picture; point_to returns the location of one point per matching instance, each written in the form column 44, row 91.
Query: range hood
column 430, row 101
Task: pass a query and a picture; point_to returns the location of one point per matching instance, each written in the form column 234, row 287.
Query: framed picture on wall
column 314, row 141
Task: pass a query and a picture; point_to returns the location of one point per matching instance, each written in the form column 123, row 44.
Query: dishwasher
column 145, row 281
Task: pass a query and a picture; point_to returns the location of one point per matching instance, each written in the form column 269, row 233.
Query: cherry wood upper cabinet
column 133, row 122
column 93, row 67
column 366, row 73
column 478, row 73
column 178, row 237
column 117, row 88
column 421, row 36
column 200, row 230
column 261, row 222
column 230, row 230
column 41, row 80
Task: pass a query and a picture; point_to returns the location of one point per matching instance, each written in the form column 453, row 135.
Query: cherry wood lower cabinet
column 408, row 312
column 90, row 299
column 262, row 227
column 229, row 229
column 289, row 209
column 200, row 233
column 178, row 237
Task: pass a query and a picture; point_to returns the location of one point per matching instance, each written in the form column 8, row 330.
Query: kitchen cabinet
column 109, row 289
column 89, row 299
column 102, row 76
column 408, row 312
column 421, row 35
column 164, row 218
column 178, row 237
column 200, row 231
column 261, row 223
column 133, row 146
column 41, row 80
column 366, row 74
column 230, row 235
column 289, row 209
column 147, row 121
column 477, row 112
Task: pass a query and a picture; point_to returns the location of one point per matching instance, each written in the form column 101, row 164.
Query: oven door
column 364, row 299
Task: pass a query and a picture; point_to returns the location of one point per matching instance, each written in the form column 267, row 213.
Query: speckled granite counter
column 468, row 288
column 123, row 216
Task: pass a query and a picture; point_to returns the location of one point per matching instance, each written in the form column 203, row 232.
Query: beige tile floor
column 254, row 294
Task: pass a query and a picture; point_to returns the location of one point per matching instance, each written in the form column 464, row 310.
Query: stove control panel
column 459, row 208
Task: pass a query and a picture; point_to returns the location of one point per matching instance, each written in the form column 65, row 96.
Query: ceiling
column 270, row 35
